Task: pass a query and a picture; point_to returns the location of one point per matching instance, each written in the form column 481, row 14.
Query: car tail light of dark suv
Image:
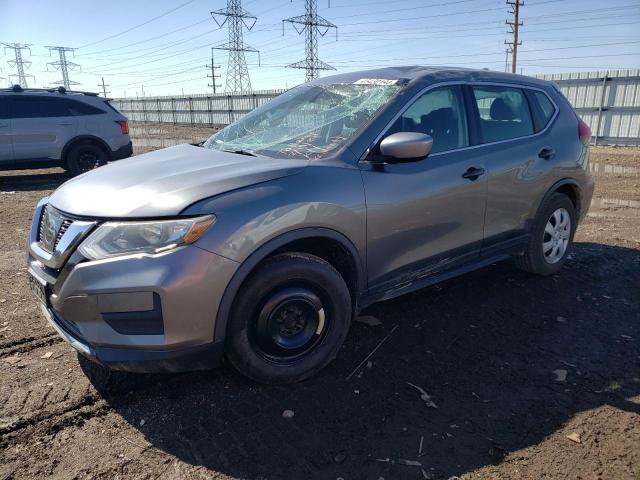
column 124, row 126
column 584, row 132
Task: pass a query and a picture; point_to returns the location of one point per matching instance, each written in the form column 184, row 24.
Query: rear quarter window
column 78, row 108
column 542, row 109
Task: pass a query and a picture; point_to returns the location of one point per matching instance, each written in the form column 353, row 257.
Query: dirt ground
column 529, row 378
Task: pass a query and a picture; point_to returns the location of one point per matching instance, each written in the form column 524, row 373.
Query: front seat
column 442, row 125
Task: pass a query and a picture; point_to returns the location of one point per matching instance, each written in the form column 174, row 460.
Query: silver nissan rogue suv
column 262, row 244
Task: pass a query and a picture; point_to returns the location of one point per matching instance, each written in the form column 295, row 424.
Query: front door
column 425, row 216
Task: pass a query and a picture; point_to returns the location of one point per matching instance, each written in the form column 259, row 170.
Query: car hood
column 165, row 182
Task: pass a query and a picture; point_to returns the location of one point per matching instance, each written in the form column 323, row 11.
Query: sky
column 162, row 47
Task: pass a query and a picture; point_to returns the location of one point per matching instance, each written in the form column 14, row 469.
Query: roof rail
column 61, row 90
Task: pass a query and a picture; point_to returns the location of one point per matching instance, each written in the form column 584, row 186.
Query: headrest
column 500, row 110
column 440, row 115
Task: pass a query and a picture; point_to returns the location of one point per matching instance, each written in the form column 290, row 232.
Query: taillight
column 584, row 132
column 124, row 126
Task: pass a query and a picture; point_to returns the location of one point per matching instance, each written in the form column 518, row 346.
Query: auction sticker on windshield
column 375, row 81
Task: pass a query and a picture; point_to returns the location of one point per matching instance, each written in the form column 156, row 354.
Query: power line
column 64, row 66
column 19, row 63
column 162, row 35
column 514, row 25
column 236, row 17
column 312, row 25
column 214, row 85
column 137, row 26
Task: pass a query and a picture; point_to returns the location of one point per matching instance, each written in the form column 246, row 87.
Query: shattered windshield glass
column 307, row 122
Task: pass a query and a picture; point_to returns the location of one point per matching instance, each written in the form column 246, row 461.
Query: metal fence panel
column 205, row 110
column 609, row 101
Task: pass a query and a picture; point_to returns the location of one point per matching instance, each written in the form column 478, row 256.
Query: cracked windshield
column 308, row 122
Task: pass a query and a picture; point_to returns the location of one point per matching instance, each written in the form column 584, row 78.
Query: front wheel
column 551, row 236
column 289, row 320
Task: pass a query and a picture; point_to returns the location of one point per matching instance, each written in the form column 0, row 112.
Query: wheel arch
column 568, row 187
column 301, row 240
column 80, row 139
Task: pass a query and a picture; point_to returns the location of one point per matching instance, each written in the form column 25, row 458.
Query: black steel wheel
column 291, row 322
column 289, row 319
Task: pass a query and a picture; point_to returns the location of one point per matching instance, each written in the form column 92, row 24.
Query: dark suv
column 341, row 192
column 78, row 131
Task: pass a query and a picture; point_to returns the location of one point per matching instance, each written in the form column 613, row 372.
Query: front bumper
column 200, row 357
column 147, row 313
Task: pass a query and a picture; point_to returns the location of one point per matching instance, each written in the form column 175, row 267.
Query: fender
column 565, row 181
column 85, row 138
column 220, row 327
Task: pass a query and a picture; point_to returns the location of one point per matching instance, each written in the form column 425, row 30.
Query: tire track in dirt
column 90, row 406
column 25, row 345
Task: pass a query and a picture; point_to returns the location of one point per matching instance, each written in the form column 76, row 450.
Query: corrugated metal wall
column 608, row 101
column 210, row 110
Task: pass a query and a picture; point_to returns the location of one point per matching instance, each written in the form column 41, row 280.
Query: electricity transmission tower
column 235, row 17
column 104, row 87
column 312, row 25
column 63, row 65
column 213, row 75
column 514, row 25
column 19, row 63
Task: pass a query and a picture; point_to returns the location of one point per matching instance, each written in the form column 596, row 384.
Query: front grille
column 53, row 225
column 61, row 232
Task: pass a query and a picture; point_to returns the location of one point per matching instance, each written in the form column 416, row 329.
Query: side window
column 78, row 108
column 38, row 107
column 439, row 113
column 504, row 113
column 543, row 109
column 4, row 107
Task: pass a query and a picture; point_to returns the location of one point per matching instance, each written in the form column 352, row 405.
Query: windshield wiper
column 242, row 152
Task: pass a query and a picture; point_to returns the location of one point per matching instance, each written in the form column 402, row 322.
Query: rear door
column 6, row 149
column 510, row 146
column 41, row 126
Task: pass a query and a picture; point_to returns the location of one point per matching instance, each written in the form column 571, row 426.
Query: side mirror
column 406, row 146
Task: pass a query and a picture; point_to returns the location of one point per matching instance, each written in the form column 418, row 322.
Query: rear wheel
column 551, row 238
column 289, row 320
column 84, row 157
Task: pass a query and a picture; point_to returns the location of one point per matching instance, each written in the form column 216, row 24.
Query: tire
column 541, row 257
column 289, row 319
column 84, row 157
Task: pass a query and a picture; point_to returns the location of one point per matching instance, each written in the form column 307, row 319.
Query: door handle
column 547, row 153
column 65, row 124
column 473, row 173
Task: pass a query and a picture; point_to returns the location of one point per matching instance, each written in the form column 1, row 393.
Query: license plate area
column 39, row 288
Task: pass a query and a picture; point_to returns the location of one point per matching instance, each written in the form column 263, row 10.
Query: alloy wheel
column 556, row 236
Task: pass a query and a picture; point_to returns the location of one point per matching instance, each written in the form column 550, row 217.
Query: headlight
column 124, row 238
